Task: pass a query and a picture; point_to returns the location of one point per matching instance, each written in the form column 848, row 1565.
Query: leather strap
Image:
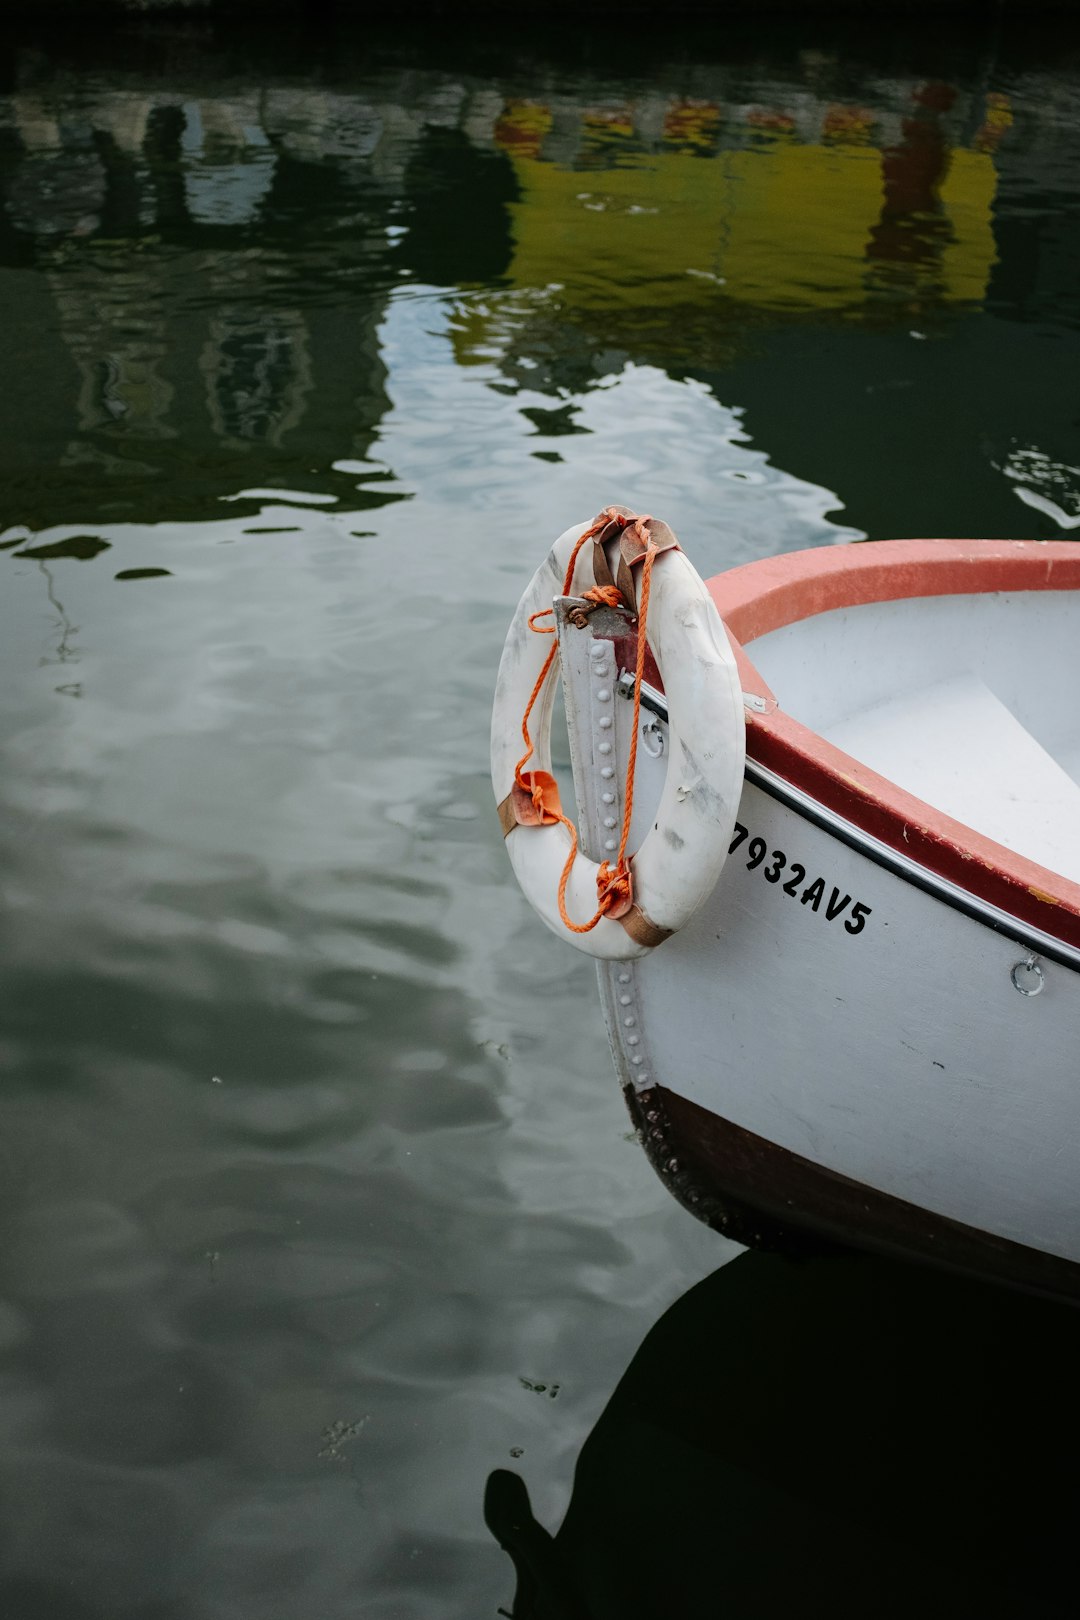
column 663, row 538
column 507, row 819
column 631, row 551
column 602, row 574
column 642, row 930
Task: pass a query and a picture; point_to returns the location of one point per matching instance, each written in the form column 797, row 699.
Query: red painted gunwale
column 764, row 596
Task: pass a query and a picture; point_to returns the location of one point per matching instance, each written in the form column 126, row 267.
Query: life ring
column 677, row 865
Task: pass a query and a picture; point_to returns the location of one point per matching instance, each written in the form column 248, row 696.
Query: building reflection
column 228, row 160
column 721, row 211
column 205, row 267
column 909, row 243
column 195, row 290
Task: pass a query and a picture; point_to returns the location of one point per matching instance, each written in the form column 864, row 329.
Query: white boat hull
column 889, row 1046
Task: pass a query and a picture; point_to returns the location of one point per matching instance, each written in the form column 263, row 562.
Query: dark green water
column 312, row 1163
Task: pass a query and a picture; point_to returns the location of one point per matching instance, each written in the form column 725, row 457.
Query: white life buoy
column 677, row 865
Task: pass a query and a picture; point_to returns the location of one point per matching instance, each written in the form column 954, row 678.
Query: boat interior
column 969, row 702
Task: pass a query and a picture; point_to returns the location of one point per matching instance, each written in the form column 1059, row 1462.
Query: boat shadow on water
column 836, row 1435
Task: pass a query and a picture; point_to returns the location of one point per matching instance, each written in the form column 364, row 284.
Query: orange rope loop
column 614, row 885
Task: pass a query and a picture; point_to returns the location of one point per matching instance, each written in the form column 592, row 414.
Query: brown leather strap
column 602, row 574
column 641, row 930
column 625, row 583
column 663, row 539
column 507, row 819
column 631, row 551
column 614, row 529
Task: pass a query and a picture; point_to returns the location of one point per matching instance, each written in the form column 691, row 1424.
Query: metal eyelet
column 1027, row 976
column 653, row 738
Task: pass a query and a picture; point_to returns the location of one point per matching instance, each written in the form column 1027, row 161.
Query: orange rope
column 613, row 885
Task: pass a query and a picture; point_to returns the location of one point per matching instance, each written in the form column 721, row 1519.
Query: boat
column 826, row 851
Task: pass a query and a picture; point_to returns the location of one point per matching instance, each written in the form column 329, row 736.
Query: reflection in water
column 1045, row 485
column 228, row 161
column 834, row 1437
column 786, row 213
column 218, row 260
column 64, row 652
column 258, row 373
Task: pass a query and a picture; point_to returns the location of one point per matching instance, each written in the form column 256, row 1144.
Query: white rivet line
column 601, row 669
column 624, row 998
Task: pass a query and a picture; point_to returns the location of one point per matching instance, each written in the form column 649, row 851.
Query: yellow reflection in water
column 786, row 224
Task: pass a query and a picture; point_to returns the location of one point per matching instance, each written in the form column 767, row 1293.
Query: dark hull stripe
column 767, row 1197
